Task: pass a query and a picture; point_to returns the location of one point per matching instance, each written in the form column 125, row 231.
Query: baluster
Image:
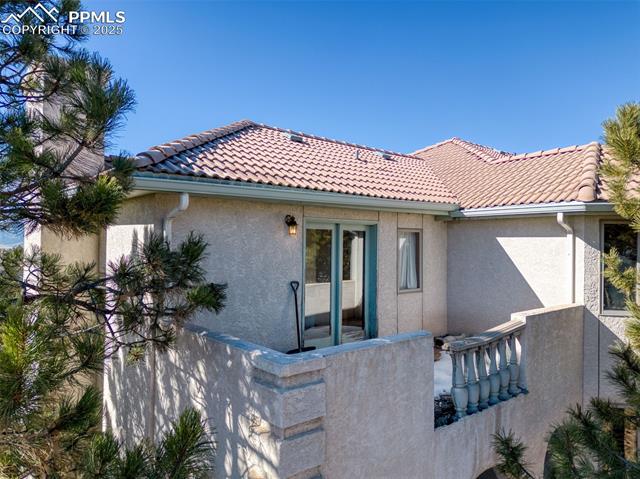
column 494, row 376
column 459, row 392
column 514, row 369
column 505, row 375
column 522, row 361
column 472, row 381
column 483, row 379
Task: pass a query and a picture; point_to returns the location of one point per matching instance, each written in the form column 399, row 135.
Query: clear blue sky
column 519, row 76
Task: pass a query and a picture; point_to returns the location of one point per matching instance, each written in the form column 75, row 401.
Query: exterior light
column 291, row 222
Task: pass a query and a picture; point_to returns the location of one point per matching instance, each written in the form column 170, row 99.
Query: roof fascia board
column 571, row 207
column 254, row 191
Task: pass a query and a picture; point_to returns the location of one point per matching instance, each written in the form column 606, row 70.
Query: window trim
column 613, row 312
column 420, row 248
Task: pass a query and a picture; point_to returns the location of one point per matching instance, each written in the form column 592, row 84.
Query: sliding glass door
column 340, row 283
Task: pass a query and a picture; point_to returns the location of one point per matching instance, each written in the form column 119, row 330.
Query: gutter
column 571, row 246
column 256, row 191
column 543, row 209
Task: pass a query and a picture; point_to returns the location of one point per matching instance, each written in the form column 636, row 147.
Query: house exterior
column 389, row 251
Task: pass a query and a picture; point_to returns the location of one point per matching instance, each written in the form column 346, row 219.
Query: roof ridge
column 340, row 142
column 435, row 145
column 477, row 149
column 587, row 188
column 480, row 150
column 163, row 151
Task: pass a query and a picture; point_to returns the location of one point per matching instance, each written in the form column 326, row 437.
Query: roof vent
column 385, row 156
column 296, row 138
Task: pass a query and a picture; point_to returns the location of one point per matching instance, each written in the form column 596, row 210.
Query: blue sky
column 519, row 76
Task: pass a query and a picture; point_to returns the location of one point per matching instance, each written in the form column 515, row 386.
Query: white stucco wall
column 498, row 266
column 250, row 250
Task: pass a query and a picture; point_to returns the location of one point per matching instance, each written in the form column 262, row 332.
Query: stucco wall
column 356, row 410
column 379, row 416
column 601, row 330
column 251, row 250
column 280, row 416
column 85, row 249
column 553, row 352
column 499, row 266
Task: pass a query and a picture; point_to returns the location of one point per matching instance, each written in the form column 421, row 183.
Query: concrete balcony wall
column 357, row 410
column 379, row 413
column 337, row 412
column 553, row 349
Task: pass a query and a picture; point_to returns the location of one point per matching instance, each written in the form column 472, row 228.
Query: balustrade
column 500, row 349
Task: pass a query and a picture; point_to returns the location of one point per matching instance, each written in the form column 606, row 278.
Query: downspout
column 167, row 223
column 572, row 252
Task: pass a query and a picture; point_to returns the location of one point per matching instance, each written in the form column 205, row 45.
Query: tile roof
column 483, row 177
column 453, row 171
column 250, row 152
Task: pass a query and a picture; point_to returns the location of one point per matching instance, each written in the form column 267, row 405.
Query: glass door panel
column 317, row 287
column 352, row 287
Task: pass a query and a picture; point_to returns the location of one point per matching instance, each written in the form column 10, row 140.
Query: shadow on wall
column 611, row 330
column 498, row 267
column 212, row 377
column 192, row 374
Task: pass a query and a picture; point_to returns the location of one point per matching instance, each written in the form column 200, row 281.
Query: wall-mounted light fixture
column 291, row 222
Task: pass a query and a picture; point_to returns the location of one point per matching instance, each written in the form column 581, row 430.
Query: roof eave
column 543, row 209
column 154, row 182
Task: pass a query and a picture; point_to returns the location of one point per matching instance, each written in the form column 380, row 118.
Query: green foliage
column 44, row 154
column 511, row 452
column 586, row 444
column 54, row 320
column 59, row 109
column 183, row 453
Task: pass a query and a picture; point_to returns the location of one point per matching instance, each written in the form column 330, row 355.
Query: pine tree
column 58, row 322
column 586, row 444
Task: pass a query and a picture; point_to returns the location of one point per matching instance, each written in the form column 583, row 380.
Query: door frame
column 370, row 273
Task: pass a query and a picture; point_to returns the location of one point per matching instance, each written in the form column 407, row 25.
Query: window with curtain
column 408, row 260
column 625, row 240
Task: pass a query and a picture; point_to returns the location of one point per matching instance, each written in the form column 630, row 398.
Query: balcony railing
column 487, row 368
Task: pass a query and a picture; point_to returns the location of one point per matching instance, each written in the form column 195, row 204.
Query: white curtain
column 408, row 257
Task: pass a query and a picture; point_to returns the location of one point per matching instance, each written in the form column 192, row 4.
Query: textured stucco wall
column 379, row 418
column 279, row 416
column 84, row 249
column 499, row 266
column 356, row 410
column 251, row 250
column 601, row 331
column 553, row 351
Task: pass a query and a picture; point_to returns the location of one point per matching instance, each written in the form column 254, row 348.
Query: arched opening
column 490, row 474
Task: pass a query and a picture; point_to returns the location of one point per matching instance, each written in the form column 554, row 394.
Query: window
column 621, row 237
column 409, row 260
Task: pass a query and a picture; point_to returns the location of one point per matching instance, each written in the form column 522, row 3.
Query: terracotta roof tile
column 250, row 152
column 483, row 177
column 452, row 171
